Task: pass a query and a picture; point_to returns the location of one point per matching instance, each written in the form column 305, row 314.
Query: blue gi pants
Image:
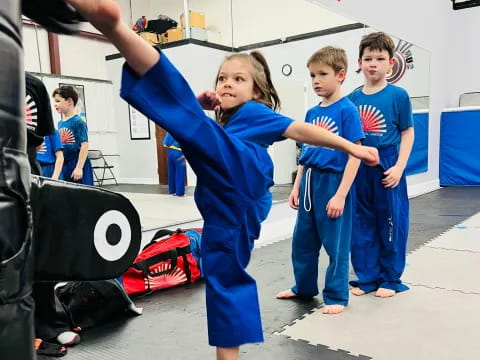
column 380, row 230
column 177, row 172
column 315, row 229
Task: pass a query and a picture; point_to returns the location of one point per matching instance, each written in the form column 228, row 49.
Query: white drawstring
column 307, row 191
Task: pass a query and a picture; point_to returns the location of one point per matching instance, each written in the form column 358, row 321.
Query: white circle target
column 105, row 250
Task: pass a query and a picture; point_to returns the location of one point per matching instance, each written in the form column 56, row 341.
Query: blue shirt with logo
column 341, row 118
column 73, row 132
column 51, row 144
column 384, row 115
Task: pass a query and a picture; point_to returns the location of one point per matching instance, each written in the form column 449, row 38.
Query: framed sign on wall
column 139, row 125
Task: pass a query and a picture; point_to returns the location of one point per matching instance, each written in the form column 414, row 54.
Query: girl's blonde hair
column 262, row 83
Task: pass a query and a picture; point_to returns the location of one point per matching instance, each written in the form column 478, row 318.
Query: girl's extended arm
column 314, row 135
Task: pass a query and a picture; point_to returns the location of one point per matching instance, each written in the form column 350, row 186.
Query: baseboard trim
column 423, row 188
column 143, row 181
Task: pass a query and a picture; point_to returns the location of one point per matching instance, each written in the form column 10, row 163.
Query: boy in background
column 381, row 221
column 321, row 189
column 74, row 136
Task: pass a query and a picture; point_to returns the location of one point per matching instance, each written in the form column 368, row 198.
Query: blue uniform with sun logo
column 46, row 154
column 322, row 175
column 381, row 222
column 177, row 167
column 234, row 173
column 73, row 132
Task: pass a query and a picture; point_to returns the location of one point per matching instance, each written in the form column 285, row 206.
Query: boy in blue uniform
column 177, row 169
column 74, row 136
column 50, row 156
column 380, row 233
column 321, row 188
column 229, row 157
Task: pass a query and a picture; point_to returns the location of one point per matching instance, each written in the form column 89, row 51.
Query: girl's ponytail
column 272, row 95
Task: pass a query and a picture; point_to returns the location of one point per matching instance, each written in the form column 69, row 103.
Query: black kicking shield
column 81, row 232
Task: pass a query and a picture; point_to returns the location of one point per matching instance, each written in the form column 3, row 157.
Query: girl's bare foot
column 286, row 294
column 357, row 291
column 333, row 309
column 103, row 14
column 385, row 293
column 227, row 353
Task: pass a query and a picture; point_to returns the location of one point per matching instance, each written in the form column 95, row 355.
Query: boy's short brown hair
column 66, row 92
column 332, row 56
column 377, row 41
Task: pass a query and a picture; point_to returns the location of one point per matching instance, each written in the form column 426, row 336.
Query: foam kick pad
column 81, row 232
column 55, row 15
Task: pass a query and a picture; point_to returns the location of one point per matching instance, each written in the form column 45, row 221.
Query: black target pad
column 81, row 232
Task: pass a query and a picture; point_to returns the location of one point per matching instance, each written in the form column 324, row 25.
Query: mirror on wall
column 288, row 40
column 208, row 21
column 287, row 32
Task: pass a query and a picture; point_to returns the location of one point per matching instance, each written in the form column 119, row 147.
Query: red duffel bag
column 172, row 258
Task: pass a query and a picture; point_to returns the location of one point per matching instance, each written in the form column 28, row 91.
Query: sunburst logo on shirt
column 31, row 113
column 372, row 119
column 66, row 136
column 327, row 123
column 169, row 279
column 42, row 149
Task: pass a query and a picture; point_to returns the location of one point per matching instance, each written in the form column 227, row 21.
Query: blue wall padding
column 460, row 148
column 418, row 161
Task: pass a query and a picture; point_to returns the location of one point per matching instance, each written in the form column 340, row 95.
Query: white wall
column 36, row 55
column 449, row 35
column 138, row 157
column 256, row 21
column 79, row 56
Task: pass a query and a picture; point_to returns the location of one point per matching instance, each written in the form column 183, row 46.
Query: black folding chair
column 102, row 170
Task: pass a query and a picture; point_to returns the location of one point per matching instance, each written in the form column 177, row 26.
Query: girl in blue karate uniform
column 177, row 169
column 229, row 157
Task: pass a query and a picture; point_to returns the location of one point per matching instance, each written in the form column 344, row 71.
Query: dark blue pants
column 380, row 229
column 315, row 229
column 69, row 166
column 177, row 172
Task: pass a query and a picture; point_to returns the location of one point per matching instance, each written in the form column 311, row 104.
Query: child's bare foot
column 227, row 353
column 286, row 294
column 385, row 293
column 103, row 14
column 357, row 291
column 333, row 309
